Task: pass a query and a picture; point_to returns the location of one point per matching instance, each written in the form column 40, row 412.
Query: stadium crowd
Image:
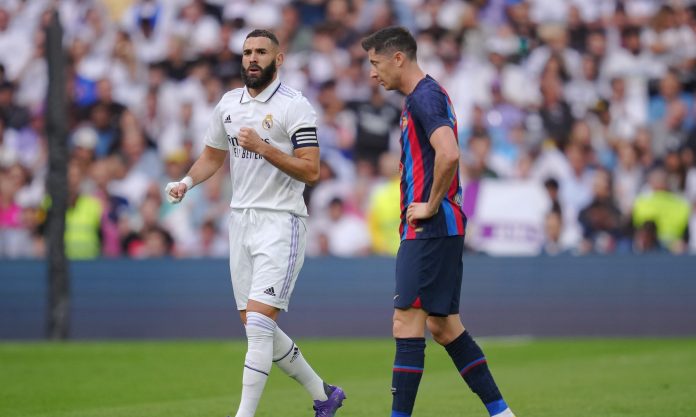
column 591, row 99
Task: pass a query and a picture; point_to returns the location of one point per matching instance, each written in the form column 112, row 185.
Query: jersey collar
column 263, row 96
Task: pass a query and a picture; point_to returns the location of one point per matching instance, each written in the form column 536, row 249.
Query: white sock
column 288, row 357
column 258, row 361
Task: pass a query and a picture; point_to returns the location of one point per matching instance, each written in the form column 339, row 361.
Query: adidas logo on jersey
column 295, row 354
column 270, row 291
column 228, row 119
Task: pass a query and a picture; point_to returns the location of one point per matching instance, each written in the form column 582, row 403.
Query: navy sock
column 406, row 375
column 471, row 364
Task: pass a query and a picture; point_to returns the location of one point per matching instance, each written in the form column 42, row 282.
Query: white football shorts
column 266, row 254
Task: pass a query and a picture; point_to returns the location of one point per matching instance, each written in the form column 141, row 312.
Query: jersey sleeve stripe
column 450, row 220
column 407, row 194
column 417, row 169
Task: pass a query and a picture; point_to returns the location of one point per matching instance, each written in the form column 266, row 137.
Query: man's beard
column 262, row 80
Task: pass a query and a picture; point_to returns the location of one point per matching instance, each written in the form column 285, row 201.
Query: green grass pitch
column 539, row 378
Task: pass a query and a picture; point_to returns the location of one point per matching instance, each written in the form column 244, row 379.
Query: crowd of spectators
column 593, row 99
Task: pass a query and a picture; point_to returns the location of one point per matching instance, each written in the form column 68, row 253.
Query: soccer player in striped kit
column 270, row 132
column 429, row 262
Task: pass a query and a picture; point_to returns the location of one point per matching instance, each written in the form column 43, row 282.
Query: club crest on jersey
column 267, row 122
column 404, row 122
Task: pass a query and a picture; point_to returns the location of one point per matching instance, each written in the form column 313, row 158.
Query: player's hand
column 175, row 192
column 250, row 140
column 418, row 211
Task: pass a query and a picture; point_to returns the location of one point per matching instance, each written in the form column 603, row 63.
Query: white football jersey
column 282, row 117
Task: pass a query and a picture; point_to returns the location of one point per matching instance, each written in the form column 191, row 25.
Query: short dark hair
column 551, row 183
column 391, row 39
column 263, row 33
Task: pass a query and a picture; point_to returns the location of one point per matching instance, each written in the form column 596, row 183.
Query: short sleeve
column 215, row 135
column 431, row 110
column 302, row 123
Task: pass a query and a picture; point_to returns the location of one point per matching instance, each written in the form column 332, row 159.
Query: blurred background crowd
column 589, row 104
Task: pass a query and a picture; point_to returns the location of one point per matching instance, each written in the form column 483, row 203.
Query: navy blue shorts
column 429, row 275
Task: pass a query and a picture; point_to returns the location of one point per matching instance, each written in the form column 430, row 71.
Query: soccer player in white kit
column 269, row 130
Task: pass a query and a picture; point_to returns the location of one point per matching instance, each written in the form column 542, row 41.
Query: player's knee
column 261, row 308
column 444, row 329
column 408, row 323
column 399, row 326
column 437, row 327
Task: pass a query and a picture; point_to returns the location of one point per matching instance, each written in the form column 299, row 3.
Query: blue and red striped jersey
column 427, row 108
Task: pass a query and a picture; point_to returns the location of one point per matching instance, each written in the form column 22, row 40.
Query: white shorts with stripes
column 266, row 254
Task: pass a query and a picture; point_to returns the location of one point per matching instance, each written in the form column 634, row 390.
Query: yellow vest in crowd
column 669, row 211
column 82, row 228
column 384, row 218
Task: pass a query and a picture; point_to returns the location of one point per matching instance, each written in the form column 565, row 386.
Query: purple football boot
column 334, row 402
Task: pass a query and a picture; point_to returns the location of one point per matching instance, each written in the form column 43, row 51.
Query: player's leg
column 409, row 360
column 408, row 327
column 447, row 329
column 260, row 325
column 470, row 362
column 289, row 358
column 277, row 264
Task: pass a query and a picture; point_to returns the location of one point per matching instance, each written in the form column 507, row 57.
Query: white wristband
column 188, row 181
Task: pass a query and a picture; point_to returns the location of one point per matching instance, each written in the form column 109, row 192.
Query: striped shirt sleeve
column 431, row 110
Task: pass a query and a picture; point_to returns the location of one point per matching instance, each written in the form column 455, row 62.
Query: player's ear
column 399, row 58
column 280, row 58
